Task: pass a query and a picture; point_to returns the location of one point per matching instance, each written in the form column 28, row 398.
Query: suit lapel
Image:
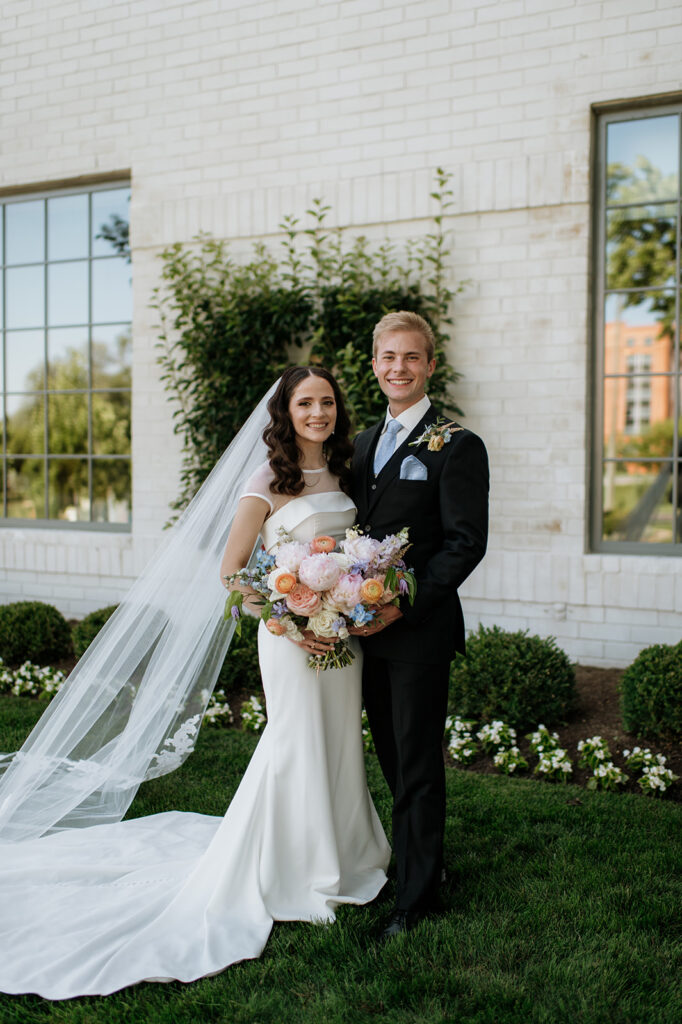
column 392, row 467
column 366, row 457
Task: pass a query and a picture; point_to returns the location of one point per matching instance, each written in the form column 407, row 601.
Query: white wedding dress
column 88, row 911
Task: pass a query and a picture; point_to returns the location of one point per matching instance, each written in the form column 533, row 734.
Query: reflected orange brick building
column 642, row 396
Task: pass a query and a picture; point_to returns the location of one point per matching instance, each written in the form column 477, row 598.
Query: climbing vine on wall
column 227, row 327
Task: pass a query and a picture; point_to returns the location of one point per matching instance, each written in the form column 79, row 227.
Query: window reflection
column 111, row 292
column 111, row 423
column 67, row 227
column 642, row 160
column 641, row 246
column 639, row 324
column 25, row 232
column 638, row 502
column 111, row 491
column 26, row 488
column 66, row 325
column 67, row 358
column 112, row 351
column 25, row 424
column 25, row 360
column 110, row 218
column 67, row 293
column 67, row 424
column 25, row 296
column 67, row 490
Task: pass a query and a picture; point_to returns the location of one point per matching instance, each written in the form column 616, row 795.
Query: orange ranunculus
column 371, row 591
column 276, row 627
column 322, row 545
column 301, row 600
column 285, row 582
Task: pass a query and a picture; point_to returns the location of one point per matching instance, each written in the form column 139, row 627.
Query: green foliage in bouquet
column 228, row 328
column 651, row 692
column 512, row 676
column 85, row 631
column 240, row 669
column 33, row 631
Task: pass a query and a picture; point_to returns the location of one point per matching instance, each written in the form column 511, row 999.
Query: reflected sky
column 25, row 231
column 112, row 299
column 67, row 227
column 67, row 293
column 25, row 360
column 25, row 296
column 639, row 314
column 113, row 202
column 655, row 139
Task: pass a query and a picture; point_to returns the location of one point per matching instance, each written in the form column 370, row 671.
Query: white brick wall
column 230, row 114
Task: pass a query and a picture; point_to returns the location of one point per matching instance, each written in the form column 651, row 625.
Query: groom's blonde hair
column 403, row 320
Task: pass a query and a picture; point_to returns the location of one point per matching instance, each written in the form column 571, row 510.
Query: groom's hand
column 388, row 614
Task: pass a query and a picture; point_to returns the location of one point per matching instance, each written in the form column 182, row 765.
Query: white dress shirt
column 408, row 420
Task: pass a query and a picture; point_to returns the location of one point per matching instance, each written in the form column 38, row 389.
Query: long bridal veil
column 132, row 707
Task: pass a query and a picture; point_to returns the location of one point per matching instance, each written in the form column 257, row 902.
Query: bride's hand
column 314, row 644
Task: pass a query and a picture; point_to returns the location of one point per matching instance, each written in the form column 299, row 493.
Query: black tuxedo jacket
column 447, row 515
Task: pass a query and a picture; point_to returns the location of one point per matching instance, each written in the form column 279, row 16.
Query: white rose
column 322, row 621
column 293, row 632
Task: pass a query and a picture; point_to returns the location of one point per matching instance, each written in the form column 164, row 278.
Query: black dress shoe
column 399, row 922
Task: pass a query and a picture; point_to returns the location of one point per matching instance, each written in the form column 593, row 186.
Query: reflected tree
column 641, row 236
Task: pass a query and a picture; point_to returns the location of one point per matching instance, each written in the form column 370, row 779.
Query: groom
column 439, row 489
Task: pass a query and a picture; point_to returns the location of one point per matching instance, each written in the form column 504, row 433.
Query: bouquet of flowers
column 325, row 588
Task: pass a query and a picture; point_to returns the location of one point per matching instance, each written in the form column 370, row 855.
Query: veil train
column 132, row 707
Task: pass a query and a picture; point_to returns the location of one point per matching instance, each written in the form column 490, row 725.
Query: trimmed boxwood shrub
column 651, row 692
column 524, row 680
column 33, row 631
column 240, row 669
column 85, row 631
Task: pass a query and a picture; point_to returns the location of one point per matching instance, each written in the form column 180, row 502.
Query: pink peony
column 291, row 554
column 301, row 600
column 319, row 572
column 361, row 549
column 345, row 593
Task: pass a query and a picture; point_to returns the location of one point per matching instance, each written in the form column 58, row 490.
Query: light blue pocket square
column 412, row 469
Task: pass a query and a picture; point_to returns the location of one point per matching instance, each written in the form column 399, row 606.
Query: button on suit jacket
column 447, row 516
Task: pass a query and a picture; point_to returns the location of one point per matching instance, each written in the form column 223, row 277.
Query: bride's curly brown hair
column 280, row 437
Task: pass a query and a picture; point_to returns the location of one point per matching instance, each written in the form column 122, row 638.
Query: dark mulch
column 598, row 714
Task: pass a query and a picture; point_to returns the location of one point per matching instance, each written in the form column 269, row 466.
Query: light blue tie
column 386, row 445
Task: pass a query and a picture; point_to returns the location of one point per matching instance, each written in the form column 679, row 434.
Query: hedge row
column 505, row 675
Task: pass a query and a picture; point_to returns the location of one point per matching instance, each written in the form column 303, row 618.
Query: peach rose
column 436, row 443
column 276, row 627
column 371, row 591
column 301, row 600
column 322, row 545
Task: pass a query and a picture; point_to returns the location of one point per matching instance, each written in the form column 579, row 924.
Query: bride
column 90, row 903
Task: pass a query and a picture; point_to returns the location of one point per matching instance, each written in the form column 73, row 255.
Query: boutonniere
column 436, row 435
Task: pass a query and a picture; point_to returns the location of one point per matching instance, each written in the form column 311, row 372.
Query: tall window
column 66, row 355
column 638, row 432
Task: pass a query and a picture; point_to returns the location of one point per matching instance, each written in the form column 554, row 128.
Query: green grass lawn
column 561, row 905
